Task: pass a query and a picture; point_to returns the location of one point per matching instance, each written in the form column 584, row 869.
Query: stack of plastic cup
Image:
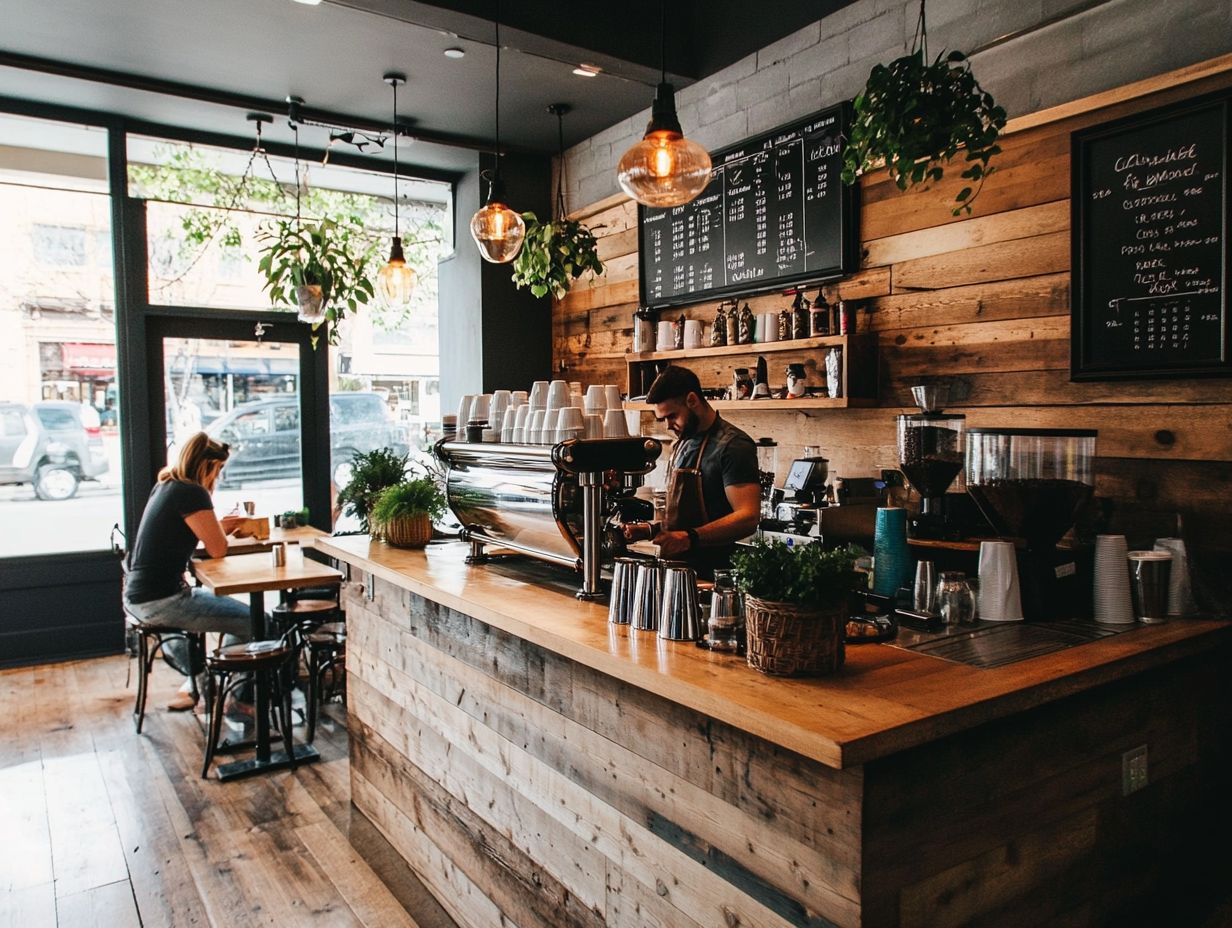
column 1000, row 596
column 1112, row 601
column 1180, row 588
column 890, row 553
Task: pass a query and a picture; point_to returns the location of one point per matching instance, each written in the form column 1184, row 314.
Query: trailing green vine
column 554, row 255
column 914, row 117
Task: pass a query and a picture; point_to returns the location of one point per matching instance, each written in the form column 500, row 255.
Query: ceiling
column 228, row 56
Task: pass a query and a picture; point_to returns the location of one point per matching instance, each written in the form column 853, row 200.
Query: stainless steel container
column 624, row 580
column 680, row 615
column 648, row 596
column 553, row 502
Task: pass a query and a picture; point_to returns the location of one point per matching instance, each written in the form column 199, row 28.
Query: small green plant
column 913, row 117
column 372, row 472
column 324, row 254
column 422, row 496
column 555, row 254
column 805, row 575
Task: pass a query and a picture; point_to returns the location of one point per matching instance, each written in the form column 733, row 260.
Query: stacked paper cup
column 1000, row 596
column 1180, row 590
column 1112, row 602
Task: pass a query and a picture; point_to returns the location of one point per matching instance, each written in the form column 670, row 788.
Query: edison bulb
column 498, row 231
column 396, row 280
column 664, row 169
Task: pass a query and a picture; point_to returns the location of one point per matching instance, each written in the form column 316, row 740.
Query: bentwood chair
column 152, row 641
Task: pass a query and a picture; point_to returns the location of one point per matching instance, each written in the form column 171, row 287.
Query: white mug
column 693, row 333
column 667, row 337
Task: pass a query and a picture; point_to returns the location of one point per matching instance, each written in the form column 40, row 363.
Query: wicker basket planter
column 790, row 640
column 408, row 531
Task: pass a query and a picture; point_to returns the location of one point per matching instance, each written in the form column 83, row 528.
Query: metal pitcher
column 648, row 596
column 680, row 616
column 624, row 583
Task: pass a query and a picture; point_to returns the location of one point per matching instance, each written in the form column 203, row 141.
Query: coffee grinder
column 767, row 469
column 930, row 456
column 1031, row 484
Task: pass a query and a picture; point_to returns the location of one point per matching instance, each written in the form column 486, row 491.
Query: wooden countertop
column 884, row 699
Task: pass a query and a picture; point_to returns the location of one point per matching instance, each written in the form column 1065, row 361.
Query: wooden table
column 302, row 535
column 254, row 574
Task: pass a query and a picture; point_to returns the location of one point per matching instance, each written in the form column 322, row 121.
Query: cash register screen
column 800, row 477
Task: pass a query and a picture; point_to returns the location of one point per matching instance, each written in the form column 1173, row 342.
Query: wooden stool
column 150, row 641
column 326, row 651
column 234, row 659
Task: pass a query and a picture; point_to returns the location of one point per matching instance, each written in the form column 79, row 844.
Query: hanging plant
column 555, row 254
column 319, row 264
column 914, row 117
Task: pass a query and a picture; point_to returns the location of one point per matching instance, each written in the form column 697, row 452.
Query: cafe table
column 255, row 574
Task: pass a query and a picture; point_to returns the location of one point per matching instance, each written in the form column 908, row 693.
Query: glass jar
column 956, row 600
column 726, row 614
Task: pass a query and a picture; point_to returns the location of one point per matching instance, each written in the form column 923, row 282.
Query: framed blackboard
column 774, row 214
column 1151, row 245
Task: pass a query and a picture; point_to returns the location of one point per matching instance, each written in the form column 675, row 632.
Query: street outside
column 83, row 523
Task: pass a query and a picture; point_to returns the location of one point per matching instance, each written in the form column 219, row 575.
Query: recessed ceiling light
column 587, row 70
column 455, row 53
column 309, row 2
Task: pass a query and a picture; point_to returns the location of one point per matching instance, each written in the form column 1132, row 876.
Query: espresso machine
column 557, row 503
column 1032, row 485
column 809, row 508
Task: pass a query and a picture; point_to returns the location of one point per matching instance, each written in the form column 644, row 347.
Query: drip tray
column 995, row 644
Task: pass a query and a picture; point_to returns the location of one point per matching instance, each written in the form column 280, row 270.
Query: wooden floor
column 101, row 826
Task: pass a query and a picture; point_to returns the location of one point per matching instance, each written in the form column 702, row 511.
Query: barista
column 713, row 494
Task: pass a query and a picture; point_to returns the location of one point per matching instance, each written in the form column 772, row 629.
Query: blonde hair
column 198, row 455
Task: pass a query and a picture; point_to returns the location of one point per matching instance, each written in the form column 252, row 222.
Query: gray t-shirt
column 730, row 459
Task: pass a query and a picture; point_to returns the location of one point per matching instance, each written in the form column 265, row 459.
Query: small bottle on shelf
column 718, row 331
column 819, row 316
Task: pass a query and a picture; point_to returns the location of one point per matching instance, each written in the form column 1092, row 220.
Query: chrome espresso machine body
column 552, row 502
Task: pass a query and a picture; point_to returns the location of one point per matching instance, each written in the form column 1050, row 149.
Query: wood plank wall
column 982, row 302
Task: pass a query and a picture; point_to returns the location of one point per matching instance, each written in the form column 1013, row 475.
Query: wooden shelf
column 795, row 344
column 773, row 405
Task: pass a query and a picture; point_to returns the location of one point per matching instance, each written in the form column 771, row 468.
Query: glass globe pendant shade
column 396, row 280
column 498, row 230
column 664, row 168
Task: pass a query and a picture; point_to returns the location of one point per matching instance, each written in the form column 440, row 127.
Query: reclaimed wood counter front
column 537, row 766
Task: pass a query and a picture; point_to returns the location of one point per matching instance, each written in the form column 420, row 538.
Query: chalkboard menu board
column 775, row 213
column 1151, row 246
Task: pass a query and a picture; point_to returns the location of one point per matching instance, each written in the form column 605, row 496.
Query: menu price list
column 774, row 211
column 1152, row 211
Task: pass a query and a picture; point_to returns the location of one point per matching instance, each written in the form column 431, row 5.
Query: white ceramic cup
column 534, row 427
column 576, row 399
column 509, row 421
column 595, row 399
column 522, row 414
column 519, row 398
column 539, row 394
column 694, row 332
column 666, row 340
column 614, row 424
column 558, row 393
column 611, row 394
column 500, row 402
column 464, row 411
column 594, row 426
column 570, row 418
column 770, row 327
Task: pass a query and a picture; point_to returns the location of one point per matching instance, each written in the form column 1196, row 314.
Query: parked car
column 48, row 445
column 264, row 435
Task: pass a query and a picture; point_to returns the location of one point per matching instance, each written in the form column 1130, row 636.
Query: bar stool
column 326, row 654
column 226, row 665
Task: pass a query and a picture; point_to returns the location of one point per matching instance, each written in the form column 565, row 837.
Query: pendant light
column 497, row 230
column 396, row 280
column 664, row 168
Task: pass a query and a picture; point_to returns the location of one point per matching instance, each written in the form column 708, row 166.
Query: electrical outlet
column 1133, row 770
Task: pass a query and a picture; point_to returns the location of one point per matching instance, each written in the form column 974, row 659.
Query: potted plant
column 555, row 254
column 318, row 267
column 407, row 510
column 915, row 115
column 372, row 472
column 795, row 605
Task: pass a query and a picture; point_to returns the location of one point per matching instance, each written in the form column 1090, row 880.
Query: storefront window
column 59, row 441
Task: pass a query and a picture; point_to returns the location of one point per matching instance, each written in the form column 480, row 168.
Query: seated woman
column 179, row 513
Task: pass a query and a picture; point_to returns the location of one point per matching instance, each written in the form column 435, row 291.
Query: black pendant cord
column 662, row 41
column 560, row 170
column 395, row 86
column 920, row 42
column 498, row 83
column 295, row 129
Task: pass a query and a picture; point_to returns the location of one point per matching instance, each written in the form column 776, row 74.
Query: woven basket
column 790, row 640
column 408, row 531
